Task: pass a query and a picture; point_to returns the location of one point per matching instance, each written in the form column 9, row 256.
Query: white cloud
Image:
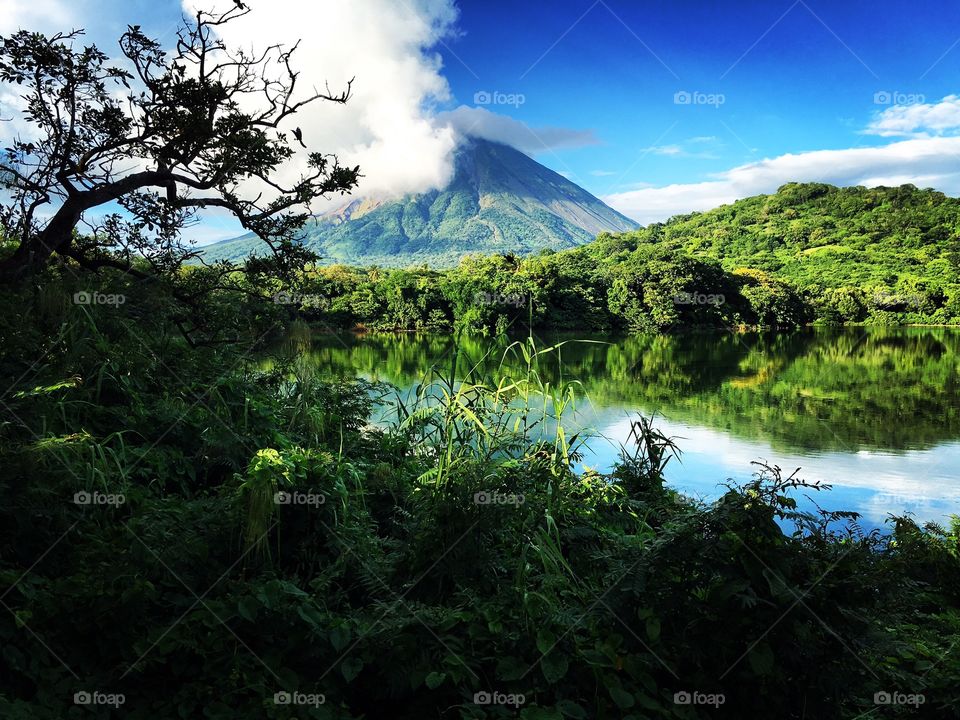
column 42, row 15
column 387, row 126
column 664, row 150
column 683, row 149
column 918, row 120
column 925, row 162
column 481, row 123
column 391, row 126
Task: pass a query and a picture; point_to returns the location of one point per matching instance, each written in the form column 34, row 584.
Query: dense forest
column 651, row 290
column 810, row 253
column 885, row 254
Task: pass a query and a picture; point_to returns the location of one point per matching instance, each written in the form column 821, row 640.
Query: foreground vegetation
column 412, row 570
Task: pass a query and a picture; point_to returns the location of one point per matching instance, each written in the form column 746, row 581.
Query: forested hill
column 820, row 236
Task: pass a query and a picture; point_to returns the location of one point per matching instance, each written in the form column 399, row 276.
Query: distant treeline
column 651, row 290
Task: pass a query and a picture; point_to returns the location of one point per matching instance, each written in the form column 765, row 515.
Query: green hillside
column 499, row 201
column 899, row 242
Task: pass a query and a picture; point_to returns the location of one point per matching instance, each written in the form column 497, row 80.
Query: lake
column 874, row 412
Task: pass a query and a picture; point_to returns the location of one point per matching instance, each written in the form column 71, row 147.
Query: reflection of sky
column 921, row 482
column 925, row 483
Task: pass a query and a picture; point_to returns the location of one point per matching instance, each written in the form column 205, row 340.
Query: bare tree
column 144, row 149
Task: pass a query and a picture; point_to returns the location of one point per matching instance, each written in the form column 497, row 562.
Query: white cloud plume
column 918, row 120
column 925, row 162
column 387, row 126
column 481, row 123
column 391, row 127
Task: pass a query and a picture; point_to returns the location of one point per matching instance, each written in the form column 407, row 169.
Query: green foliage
column 421, row 581
column 649, row 290
column 883, row 256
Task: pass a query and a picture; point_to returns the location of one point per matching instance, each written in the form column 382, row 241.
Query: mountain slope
column 499, row 201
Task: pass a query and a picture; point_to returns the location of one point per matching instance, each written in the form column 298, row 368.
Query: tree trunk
column 34, row 252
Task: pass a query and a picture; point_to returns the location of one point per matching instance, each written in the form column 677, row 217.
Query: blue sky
column 793, row 76
column 657, row 107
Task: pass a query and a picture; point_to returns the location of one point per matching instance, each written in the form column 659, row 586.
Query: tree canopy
column 119, row 159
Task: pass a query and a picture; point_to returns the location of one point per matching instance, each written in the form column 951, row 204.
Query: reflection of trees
column 823, row 389
column 883, row 388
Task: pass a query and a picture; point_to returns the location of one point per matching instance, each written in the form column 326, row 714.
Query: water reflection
column 873, row 411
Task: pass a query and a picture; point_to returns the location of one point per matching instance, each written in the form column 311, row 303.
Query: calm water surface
column 875, row 412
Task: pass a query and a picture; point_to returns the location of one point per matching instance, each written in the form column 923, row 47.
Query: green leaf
column 290, row 589
column 269, row 595
column 653, row 628
column 554, row 666
column 339, row 637
column 351, row 667
column 621, row 697
column 545, row 641
column 435, row 680
column 540, row 713
column 311, row 615
column 647, row 702
column 247, row 608
column 570, row 709
column 510, row 668
column 217, row 710
column 761, row 659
